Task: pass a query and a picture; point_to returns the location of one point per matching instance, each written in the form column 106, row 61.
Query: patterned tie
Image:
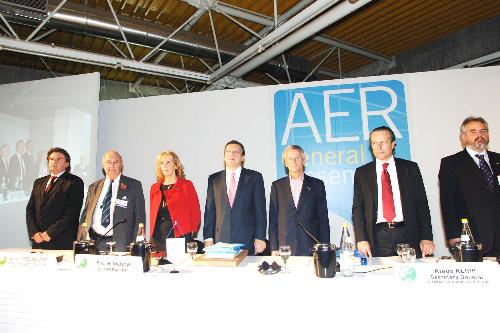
column 106, row 204
column 488, row 174
column 232, row 189
column 49, row 184
column 389, row 211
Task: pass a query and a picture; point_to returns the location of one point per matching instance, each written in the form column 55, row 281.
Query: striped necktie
column 106, row 204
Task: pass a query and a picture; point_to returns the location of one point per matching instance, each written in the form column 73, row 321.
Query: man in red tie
column 390, row 204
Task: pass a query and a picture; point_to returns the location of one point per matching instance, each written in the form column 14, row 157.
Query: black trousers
column 386, row 238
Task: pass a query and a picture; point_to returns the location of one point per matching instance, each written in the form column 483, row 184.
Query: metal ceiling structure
column 193, row 45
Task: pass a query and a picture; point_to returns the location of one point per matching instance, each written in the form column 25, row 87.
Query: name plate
column 16, row 261
column 449, row 273
column 115, row 264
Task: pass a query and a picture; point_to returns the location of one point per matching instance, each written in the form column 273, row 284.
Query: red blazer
column 183, row 205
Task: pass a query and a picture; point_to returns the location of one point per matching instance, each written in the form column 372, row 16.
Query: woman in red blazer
column 174, row 206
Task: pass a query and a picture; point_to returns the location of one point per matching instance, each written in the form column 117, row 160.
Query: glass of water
column 409, row 255
column 400, row 247
column 285, row 251
column 192, row 248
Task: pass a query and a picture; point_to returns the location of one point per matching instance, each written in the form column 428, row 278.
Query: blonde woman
column 174, row 205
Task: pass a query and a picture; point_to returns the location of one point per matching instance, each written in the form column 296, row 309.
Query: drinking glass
column 192, row 248
column 409, row 255
column 285, row 251
column 110, row 244
column 400, row 247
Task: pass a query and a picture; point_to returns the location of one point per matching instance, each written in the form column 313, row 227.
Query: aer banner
column 332, row 124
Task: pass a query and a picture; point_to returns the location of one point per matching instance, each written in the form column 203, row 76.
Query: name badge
column 121, row 203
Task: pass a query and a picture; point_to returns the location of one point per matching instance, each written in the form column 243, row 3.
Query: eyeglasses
column 475, row 132
column 232, row 152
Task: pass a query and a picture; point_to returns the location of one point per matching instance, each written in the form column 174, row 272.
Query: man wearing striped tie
column 54, row 206
column 114, row 206
column 469, row 188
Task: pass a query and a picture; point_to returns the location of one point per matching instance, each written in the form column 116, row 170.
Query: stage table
column 237, row 299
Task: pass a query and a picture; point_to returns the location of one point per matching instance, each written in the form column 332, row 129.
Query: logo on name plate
column 407, row 274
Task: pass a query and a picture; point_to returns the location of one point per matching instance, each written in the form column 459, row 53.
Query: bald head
column 112, row 164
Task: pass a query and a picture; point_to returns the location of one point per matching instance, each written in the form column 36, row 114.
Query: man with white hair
column 114, row 206
column 297, row 199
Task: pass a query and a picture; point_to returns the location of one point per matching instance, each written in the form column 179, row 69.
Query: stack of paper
column 223, row 250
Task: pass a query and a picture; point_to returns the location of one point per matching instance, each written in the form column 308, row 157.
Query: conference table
column 240, row 299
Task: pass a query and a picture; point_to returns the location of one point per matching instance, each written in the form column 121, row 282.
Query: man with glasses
column 114, row 206
column 235, row 210
column 469, row 188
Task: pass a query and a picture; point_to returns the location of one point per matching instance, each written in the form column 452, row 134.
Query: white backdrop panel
column 197, row 125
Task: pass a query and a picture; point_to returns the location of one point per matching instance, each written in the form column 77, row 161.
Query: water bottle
column 466, row 235
column 346, row 252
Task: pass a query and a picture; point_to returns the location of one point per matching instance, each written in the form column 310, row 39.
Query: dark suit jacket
column 14, row 170
column 416, row 213
column 3, row 172
column 247, row 217
column 129, row 190
column 312, row 211
column 55, row 212
column 464, row 194
column 29, row 165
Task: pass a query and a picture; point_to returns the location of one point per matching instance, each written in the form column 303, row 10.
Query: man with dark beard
column 469, row 188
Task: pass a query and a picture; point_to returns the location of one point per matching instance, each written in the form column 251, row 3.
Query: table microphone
column 100, row 239
column 300, row 224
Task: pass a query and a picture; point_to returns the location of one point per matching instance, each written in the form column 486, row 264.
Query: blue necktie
column 106, row 204
column 488, row 174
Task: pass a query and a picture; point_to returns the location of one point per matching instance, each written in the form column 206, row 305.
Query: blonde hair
column 179, row 171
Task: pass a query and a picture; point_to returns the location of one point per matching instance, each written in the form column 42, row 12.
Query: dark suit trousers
column 386, row 239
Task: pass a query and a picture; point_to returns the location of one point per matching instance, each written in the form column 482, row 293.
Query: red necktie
column 232, row 189
column 49, row 185
column 387, row 199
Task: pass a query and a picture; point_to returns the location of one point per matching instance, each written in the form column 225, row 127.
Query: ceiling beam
column 352, row 48
column 274, row 37
column 331, row 16
column 63, row 53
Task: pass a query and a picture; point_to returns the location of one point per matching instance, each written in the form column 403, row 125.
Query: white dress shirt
column 96, row 220
column 55, row 179
column 473, row 154
column 296, row 188
column 396, row 194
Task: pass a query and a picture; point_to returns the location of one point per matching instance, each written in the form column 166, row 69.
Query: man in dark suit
column 390, row 204
column 469, row 188
column 17, row 169
column 54, row 206
column 29, row 165
column 114, row 206
column 235, row 210
column 297, row 198
column 4, row 168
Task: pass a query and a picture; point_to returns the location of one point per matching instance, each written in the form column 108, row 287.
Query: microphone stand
column 103, row 236
column 307, row 232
